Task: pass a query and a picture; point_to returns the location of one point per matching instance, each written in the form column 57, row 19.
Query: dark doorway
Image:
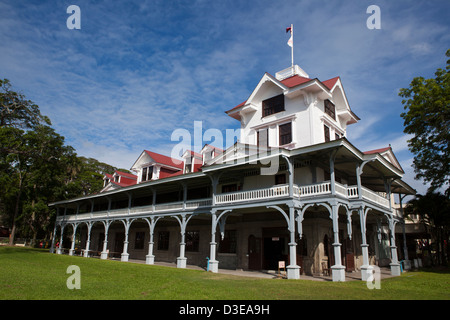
column 274, row 252
column 118, row 244
column 254, row 253
column 101, row 238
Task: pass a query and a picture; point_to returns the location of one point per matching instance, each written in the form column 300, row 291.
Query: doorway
column 254, row 253
column 274, row 251
column 118, row 243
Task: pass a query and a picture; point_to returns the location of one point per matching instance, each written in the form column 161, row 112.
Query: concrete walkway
column 270, row 274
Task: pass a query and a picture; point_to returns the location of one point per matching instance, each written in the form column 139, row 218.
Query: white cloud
column 136, row 71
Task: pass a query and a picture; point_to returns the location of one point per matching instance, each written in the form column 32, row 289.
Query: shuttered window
column 326, row 132
column 285, row 133
column 330, row 109
column 273, row 105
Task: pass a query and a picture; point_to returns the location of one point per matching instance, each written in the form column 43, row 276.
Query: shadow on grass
column 13, row 249
column 435, row 269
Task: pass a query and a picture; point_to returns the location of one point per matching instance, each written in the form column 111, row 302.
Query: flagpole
column 292, row 47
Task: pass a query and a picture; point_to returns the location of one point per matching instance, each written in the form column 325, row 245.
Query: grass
column 35, row 274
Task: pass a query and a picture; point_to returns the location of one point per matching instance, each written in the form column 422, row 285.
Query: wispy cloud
column 137, row 70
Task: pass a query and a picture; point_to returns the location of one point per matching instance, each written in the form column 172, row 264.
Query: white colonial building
column 292, row 189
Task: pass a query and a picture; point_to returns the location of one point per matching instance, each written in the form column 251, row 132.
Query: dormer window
column 188, row 164
column 144, row 174
column 147, row 174
column 330, row 109
column 116, row 178
column 273, row 105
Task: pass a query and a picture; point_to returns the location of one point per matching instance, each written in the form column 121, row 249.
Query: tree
column 433, row 210
column 36, row 167
column 427, row 117
column 16, row 111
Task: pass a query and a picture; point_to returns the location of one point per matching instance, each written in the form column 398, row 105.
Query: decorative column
column 292, row 270
column 59, row 250
column 150, row 258
column 88, row 241
column 52, row 246
column 213, row 263
column 72, row 246
column 406, row 261
column 395, row 265
column 104, row 254
column 125, row 255
column 366, row 269
column 181, row 260
column 338, row 270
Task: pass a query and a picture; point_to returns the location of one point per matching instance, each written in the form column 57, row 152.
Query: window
column 273, row 105
column 192, row 240
column 337, row 136
column 285, row 131
column 330, row 109
column 263, row 140
column 116, row 179
column 280, row 179
column 228, row 244
column 187, row 164
column 326, row 132
column 139, row 240
column 144, row 174
column 163, row 240
column 150, row 173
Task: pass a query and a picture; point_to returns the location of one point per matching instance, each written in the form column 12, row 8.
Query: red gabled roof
column 109, row 176
column 165, row 174
column 162, row 159
column 377, row 150
column 330, row 82
column 238, row 106
column 125, row 174
column 124, row 184
column 295, row 81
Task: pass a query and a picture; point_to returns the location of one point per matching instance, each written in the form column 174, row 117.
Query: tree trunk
column 16, row 210
column 16, row 213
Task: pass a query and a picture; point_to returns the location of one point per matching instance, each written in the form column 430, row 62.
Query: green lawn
column 35, row 274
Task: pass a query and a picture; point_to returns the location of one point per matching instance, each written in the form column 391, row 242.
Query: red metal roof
column 330, row 82
column 125, row 174
column 162, row 159
column 295, row 81
column 377, row 150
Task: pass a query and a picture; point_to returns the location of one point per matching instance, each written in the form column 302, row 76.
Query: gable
column 387, row 154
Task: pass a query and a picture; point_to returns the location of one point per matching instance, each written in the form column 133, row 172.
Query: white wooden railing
column 279, row 191
column 250, row 195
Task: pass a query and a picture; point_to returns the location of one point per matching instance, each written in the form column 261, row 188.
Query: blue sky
column 138, row 70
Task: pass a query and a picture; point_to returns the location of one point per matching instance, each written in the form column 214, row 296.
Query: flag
column 290, row 42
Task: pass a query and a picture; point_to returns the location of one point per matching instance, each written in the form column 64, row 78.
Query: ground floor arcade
column 312, row 240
